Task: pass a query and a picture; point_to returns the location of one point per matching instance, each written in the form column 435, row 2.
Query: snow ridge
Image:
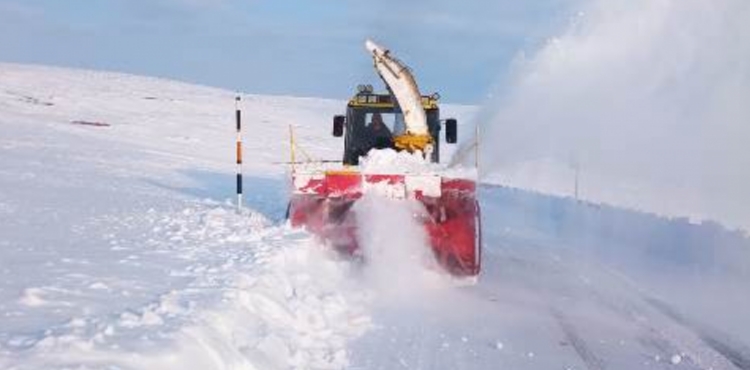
column 260, row 297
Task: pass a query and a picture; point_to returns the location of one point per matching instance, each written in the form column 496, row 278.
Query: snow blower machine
column 323, row 199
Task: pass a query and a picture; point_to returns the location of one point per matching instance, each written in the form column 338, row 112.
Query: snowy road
column 118, row 250
column 538, row 306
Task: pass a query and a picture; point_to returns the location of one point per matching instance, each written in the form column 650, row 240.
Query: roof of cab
column 385, row 101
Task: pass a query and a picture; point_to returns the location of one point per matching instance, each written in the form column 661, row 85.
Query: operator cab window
column 394, row 122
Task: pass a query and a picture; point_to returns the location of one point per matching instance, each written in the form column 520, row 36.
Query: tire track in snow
column 666, row 338
column 650, row 337
column 589, row 358
column 663, row 341
column 737, row 353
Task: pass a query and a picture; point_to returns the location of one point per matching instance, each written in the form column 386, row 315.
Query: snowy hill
column 119, row 249
column 115, row 240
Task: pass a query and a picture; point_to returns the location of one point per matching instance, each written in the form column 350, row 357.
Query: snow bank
column 137, row 261
column 259, row 297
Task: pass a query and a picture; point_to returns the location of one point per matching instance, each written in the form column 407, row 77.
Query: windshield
column 394, row 122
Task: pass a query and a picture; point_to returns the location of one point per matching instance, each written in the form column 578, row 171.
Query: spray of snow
column 646, row 100
column 399, row 262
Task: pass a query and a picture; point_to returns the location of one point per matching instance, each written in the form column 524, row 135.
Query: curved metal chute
column 402, row 84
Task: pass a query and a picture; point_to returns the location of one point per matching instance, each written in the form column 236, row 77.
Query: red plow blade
column 322, row 203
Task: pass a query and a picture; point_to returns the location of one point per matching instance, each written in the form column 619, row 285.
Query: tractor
column 322, row 199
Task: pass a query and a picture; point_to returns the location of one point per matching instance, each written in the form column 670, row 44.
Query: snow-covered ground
column 120, row 249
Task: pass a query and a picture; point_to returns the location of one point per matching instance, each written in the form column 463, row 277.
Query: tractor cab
column 374, row 121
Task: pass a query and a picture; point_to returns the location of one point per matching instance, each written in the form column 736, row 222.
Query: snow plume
column 399, row 262
column 647, row 100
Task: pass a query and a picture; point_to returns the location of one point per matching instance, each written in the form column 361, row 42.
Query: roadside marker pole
column 239, row 152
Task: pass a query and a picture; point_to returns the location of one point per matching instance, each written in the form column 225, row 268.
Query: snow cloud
column 648, row 99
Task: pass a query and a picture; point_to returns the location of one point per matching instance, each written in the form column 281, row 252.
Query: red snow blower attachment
column 323, row 198
column 401, row 120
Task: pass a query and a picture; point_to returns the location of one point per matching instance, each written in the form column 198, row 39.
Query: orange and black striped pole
column 238, row 115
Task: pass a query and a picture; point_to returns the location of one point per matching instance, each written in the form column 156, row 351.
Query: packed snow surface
column 120, row 248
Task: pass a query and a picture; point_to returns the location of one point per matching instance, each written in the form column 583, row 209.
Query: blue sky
column 291, row 47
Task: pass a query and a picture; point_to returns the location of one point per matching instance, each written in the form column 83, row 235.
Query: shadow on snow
column 266, row 195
